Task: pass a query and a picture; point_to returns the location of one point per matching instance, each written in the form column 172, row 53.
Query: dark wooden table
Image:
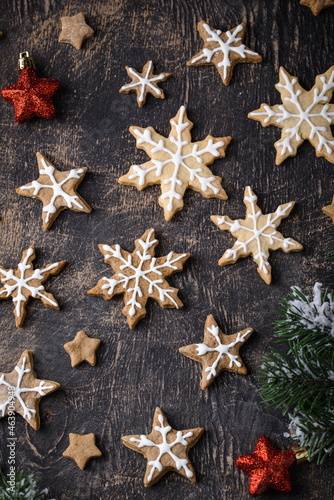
column 140, row 369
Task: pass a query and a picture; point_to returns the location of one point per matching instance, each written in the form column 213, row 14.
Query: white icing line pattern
column 258, row 239
column 68, row 199
column 165, row 447
column 18, row 391
column 143, row 84
column 299, row 118
column 22, row 282
column 141, row 269
column 177, row 163
column 221, row 349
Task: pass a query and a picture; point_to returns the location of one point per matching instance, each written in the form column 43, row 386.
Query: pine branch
column 26, row 487
column 302, row 380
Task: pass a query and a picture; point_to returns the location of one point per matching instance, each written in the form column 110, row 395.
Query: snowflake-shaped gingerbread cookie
column 177, row 163
column 256, row 235
column 144, row 83
column 21, row 391
column 223, row 50
column 303, row 115
column 24, row 282
column 165, row 449
column 218, row 352
column 139, row 276
column 56, row 189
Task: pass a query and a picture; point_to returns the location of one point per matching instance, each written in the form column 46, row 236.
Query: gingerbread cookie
column 317, row 6
column 144, row 83
column 303, row 115
column 329, row 210
column 81, row 349
column 21, row 391
column 219, row 352
column 223, row 50
column 74, row 30
column 177, row 163
column 165, row 449
column 256, row 234
column 140, row 275
column 82, row 448
column 56, row 189
column 24, row 282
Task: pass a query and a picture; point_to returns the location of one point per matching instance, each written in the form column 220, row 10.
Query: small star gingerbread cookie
column 317, row 6
column 165, row 449
column 303, row 114
column 82, row 348
column 82, row 448
column 177, row 163
column 144, row 83
column 219, row 352
column 74, row 30
column 223, row 50
column 329, row 210
column 24, row 282
column 27, row 390
column 56, row 189
column 140, row 275
column 256, row 235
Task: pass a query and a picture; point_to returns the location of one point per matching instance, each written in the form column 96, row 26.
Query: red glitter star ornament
column 267, row 467
column 31, row 95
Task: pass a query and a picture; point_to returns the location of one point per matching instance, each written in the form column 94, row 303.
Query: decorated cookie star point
column 223, row 50
column 267, row 467
column 165, row 449
column 257, row 234
column 82, row 448
column 144, row 83
column 218, row 352
column 317, row 6
column 177, row 163
column 27, row 389
column 302, row 115
column 24, row 282
column 82, row 348
column 56, row 189
column 329, row 210
column 75, row 30
column 140, row 275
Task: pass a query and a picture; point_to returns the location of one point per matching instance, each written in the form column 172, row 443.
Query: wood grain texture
column 141, row 369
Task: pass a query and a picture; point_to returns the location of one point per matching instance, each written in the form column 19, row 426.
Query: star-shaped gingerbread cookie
column 329, row 210
column 256, row 235
column 81, row 449
column 303, row 115
column 82, row 348
column 140, row 275
column 56, row 189
column 144, row 83
column 74, row 30
column 26, row 389
column 24, row 282
column 219, row 352
column 223, row 50
column 317, row 6
column 165, row 449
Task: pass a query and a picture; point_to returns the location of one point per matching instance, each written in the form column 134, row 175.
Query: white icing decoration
column 221, row 349
column 138, row 273
column 48, row 169
column 257, row 234
column 165, row 447
column 302, row 115
column 143, row 81
column 224, row 47
column 22, row 282
column 177, row 158
column 18, row 390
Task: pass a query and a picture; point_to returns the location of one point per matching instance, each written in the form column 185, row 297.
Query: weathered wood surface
column 141, row 369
